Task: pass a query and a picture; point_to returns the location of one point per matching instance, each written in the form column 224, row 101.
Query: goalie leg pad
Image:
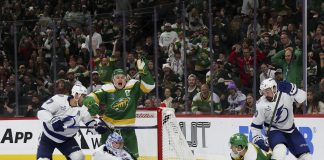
column 279, row 152
column 305, row 156
column 77, row 155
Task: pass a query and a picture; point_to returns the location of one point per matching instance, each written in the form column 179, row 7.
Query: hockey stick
column 273, row 114
column 277, row 103
column 116, row 127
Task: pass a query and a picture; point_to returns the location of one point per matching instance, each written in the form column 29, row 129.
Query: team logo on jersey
column 69, row 120
column 120, row 105
column 63, row 108
column 281, row 114
column 127, row 92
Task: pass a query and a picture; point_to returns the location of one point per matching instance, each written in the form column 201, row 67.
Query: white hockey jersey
column 100, row 154
column 284, row 117
column 58, row 106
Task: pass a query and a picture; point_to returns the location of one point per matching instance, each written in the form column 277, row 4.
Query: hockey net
column 171, row 143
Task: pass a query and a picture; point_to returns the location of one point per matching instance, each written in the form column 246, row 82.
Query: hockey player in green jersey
column 242, row 149
column 120, row 99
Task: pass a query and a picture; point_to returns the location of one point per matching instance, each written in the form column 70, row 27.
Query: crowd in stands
column 53, row 51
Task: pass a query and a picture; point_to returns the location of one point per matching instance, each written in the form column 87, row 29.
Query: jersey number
column 49, row 101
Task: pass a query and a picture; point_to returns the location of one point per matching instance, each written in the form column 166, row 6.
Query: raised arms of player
column 147, row 82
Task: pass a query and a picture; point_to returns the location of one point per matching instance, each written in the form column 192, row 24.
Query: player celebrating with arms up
column 120, row 99
column 59, row 115
column 243, row 149
column 283, row 133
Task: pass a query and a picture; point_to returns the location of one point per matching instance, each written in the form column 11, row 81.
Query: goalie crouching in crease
column 243, row 149
column 112, row 149
column 120, row 99
column 283, row 133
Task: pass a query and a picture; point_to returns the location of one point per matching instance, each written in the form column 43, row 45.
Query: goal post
column 171, row 143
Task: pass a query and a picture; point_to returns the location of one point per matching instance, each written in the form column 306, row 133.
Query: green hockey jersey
column 120, row 105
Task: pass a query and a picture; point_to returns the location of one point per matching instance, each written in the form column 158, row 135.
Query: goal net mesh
column 174, row 145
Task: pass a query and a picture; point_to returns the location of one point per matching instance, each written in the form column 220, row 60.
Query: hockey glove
column 57, row 124
column 285, row 86
column 141, row 66
column 101, row 128
column 262, row 145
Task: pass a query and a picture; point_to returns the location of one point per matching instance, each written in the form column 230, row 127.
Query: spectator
column 314, row 106
column 202, row 102
column 96, row 83
column 32, row 108
column 278, row 75
column 285, row 42
column 178, row 106
column 202, row 63
column 249, row 105
column 245, row 63
column 193, row 87
column 169, row 79
column 167, row 97
column 62, row 87
column 266, row 72
column 9, row 110
column 236, row 99
column 177, row 65
column 166, row 38
column 43, row 90
column 195, row 20
column 312, row 70
column 148, row 103
column 96, row 39
column 290, row 61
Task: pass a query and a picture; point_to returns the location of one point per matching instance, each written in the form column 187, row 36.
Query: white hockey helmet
column 114, row 137
column 268, row 83
column 78, row 88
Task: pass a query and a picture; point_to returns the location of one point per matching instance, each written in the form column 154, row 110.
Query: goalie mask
column 114, row 141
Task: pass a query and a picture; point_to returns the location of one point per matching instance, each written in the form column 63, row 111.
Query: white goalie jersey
column 284, row 117
column 58, row 107
column 101, row 154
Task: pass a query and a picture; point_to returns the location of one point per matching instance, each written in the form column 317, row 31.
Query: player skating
column 112, row 149
column 120, row 99
column 283, row 132
column 59, row 114
column 242, row 149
